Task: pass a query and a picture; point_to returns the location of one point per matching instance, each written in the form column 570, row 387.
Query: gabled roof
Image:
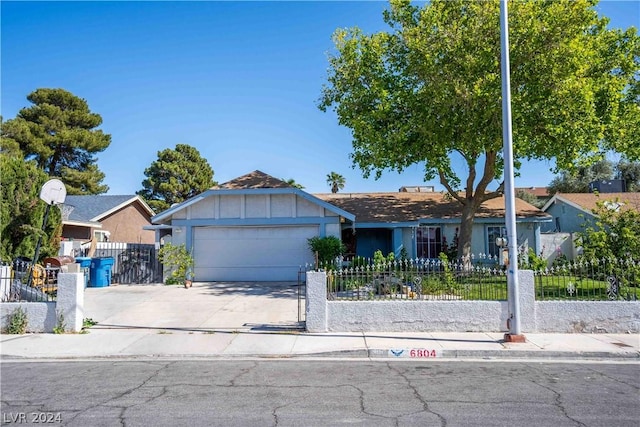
column 256, row 182
column 412, row 207
column 587, row 202
column 255, row 179
column 93, row 208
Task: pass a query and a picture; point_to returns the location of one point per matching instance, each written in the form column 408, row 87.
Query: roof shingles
column 90, row 207
column 588, row 201
column 409, row 207
column 255, row 179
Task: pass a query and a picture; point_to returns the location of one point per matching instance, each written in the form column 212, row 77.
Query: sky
column 239, row 81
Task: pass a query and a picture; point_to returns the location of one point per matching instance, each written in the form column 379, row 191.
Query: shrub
column 18, row 322
column 404, row 254
column 378, row 258
column 328, row 248
column 614, row 233
column 61, row 326
column 448, row 279
column 536, row 263
column 178, row 261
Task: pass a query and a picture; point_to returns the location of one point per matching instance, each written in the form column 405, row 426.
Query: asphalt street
column 315, row 392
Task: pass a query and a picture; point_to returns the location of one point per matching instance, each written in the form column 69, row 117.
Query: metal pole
column 509, row 193
column 35, row 256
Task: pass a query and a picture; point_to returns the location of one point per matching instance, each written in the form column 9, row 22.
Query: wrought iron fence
column 479, row 278
column 15, row 285
column 420, row 279
column 604, row 279
column 302, row 290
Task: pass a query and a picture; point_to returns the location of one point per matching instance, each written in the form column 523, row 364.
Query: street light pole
column 514, row 334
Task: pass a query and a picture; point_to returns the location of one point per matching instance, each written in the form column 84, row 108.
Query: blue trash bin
column 100, row 272
column 85, row 266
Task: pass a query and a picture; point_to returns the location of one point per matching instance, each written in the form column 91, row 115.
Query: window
column 101, row 236
column 428, row 242
column 492, row 234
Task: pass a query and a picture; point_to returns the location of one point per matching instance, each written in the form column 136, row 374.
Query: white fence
column 66, row 312
column 323, row 315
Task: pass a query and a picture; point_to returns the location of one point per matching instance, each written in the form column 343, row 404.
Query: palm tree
column 292, row 182
column 336, row 181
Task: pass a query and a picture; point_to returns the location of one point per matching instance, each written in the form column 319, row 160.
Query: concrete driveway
column 203, row 307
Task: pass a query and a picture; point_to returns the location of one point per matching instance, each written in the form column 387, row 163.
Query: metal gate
column 134, row 263
column 302, row 293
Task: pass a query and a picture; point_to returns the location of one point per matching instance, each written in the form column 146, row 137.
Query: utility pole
column 514, row 334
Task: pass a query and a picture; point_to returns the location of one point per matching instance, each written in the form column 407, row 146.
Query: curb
column 443, row 355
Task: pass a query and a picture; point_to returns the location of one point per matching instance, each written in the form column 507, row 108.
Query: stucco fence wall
column 466, row 316
column 43, row 316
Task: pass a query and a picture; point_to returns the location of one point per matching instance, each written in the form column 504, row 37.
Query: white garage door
column 251, row 253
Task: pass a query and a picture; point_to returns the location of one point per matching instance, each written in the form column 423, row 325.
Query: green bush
column 614, row 233
column 18, row 322
column 378, row 258
column 448, row 280
column 328, row 248
column 61, row 326
column 179, row 263
column 536, row 263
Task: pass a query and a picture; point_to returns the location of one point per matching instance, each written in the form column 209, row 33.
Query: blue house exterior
column 254, row 227
column 257, row 227
column 425, row 224
column 571, row 211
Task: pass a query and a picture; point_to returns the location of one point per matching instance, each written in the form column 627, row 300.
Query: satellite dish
column 53, row 192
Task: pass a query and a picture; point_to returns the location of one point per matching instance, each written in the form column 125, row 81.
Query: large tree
column 176, row 176
column 578, row 181
column 60, row 134
column 22, row 211
column 429, row 91
column 629, row 172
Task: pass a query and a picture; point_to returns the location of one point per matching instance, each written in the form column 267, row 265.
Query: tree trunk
column 466, row 230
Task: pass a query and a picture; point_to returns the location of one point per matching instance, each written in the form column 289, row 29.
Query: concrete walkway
column 224, row 320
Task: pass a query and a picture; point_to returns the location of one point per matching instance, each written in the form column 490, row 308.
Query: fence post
column 70, row 300
column 527, row 295
column 5, row 282
column 316, row 315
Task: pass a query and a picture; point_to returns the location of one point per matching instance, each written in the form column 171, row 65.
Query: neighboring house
column 571, row 210
column 256, row 227
column 421, row 222
column 106, row 218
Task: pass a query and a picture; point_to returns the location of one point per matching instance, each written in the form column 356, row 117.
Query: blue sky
column 237, row 80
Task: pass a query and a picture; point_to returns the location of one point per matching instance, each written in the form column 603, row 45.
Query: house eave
column 558, row 197
column 447, row 221
column 87, row 224
column 122, row 205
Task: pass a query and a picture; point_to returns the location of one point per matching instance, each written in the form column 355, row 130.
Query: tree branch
column 470, row 179
column 491, row 195
column 455, row 195
column 487, row 177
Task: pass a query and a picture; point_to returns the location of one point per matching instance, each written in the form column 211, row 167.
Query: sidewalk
column 177, row 343
column 226, row 320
